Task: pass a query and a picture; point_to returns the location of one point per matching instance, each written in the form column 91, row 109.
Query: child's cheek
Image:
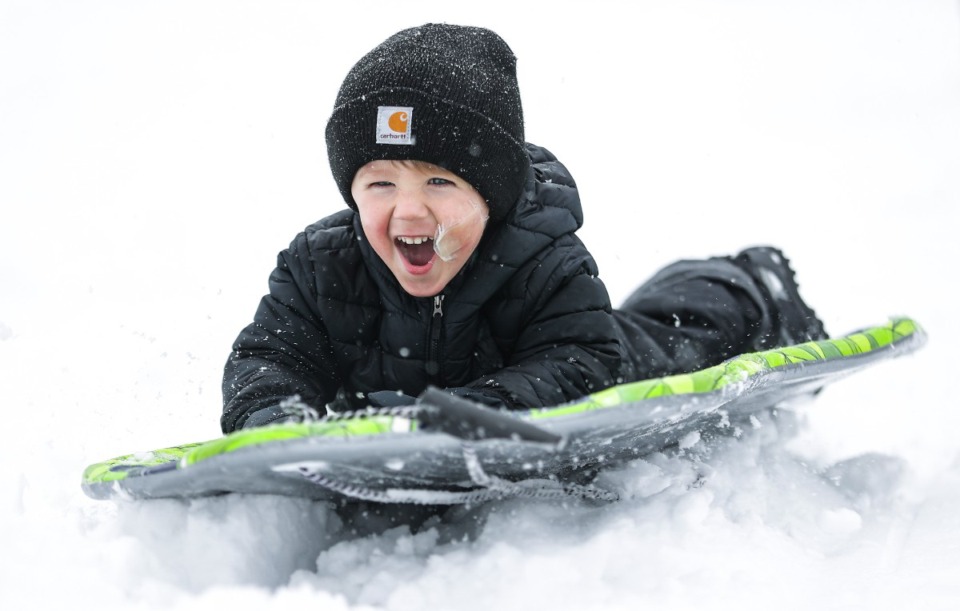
column 376, row 229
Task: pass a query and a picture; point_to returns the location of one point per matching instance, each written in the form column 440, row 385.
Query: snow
column 154, row 158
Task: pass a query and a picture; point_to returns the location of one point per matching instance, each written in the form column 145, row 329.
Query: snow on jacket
column 526, row 322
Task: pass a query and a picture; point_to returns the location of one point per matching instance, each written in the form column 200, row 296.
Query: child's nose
column 410, row 204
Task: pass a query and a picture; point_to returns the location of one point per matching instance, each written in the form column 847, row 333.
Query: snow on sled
column 446, row 450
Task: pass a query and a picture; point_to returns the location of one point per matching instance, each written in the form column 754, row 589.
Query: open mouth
column 417, row 250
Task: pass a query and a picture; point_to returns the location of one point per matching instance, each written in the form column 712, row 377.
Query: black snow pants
column 691, row 315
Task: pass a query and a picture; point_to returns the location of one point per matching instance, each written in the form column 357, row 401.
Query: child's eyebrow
column 378, row 169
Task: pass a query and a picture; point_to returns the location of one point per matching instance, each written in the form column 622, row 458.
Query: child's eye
column 439, row 181
column 381, row 183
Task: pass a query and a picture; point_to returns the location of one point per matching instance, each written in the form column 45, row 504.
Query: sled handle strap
column 465, row 419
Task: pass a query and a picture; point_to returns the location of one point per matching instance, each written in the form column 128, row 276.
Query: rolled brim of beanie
column 443, row 133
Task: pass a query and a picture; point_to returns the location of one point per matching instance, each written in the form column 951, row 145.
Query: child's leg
column 693, row 314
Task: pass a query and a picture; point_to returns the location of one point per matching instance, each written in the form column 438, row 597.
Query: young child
column 456, row 262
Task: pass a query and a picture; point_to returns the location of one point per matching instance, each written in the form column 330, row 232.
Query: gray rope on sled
column 491, row 488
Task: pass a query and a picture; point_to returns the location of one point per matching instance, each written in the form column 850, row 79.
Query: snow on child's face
column 423, row 221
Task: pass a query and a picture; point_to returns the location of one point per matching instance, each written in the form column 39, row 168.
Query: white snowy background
column 154, row 157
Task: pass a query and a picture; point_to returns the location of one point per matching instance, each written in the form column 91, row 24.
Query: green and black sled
column 445, row 450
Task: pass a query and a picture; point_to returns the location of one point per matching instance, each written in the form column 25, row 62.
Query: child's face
column 423, row 221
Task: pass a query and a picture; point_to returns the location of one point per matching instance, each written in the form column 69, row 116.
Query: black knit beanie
column 443, row 94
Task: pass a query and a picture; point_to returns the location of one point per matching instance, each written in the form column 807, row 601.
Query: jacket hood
column 548, row 208
column 550, row 202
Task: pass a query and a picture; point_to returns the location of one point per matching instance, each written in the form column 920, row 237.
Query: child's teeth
column 407, row 240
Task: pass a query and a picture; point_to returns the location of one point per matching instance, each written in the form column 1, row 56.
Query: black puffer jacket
column 526, row 323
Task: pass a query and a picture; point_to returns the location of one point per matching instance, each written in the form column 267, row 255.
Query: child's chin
column 422, row 286
column 422, row 290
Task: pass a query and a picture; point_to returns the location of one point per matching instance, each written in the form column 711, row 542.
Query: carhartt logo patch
column 395, row 125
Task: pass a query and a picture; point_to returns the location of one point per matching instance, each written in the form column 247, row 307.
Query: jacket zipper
column 433, row 350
